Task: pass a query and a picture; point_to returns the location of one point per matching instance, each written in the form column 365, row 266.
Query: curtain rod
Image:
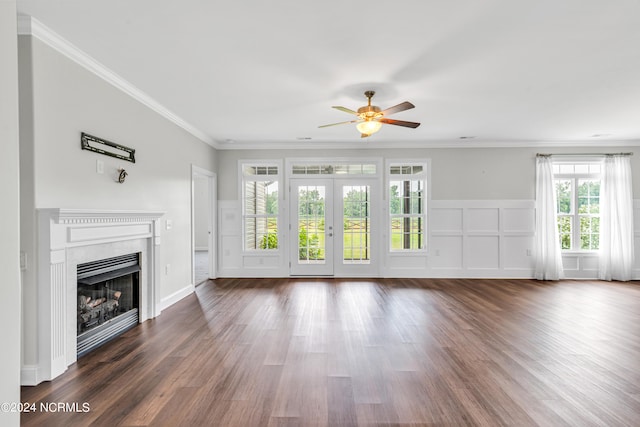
column 583, row 154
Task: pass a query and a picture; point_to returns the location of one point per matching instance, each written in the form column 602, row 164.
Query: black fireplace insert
column 108, row 300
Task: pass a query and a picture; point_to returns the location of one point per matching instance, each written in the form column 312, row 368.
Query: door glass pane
column 356, row 241
column 311, row 238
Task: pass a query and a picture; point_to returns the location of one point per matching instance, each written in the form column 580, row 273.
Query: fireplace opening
column 108, row 300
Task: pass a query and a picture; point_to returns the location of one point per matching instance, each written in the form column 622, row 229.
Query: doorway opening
column 203, row 220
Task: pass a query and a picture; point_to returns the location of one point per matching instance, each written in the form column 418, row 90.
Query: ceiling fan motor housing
column 369, row 112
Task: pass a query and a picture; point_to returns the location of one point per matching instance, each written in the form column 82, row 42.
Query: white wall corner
column 28, row 25
column 168, row 301
column 30, row 375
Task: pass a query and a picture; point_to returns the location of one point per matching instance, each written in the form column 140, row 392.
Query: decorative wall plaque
column 108, row 148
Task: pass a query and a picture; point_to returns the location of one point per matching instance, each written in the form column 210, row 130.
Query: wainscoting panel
column 591, row 263
column 636, row 221
column 466, row 238
column 410, row 264
column 482, row 219
column 231, row 247
column 260, row 262
column 229, row 238
column 230, row 218
column 518, row 220
column 517, row 253
column 481, row 238
column 570, row 264
column 446, row 219
column 446, row 252
column 233, row 261
column 483, row 252
column 582, row 265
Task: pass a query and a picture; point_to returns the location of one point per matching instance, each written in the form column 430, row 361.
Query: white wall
column 481, row 212
column 9, row 214
column 59, row 99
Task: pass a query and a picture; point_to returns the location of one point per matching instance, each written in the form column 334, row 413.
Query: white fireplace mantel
column 67, row 237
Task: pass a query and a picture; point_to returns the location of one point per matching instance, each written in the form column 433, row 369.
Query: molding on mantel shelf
column 84, row 216
column 27, row 25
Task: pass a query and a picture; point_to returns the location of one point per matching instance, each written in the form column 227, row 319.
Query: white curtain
column 616, row 220
column 547, row 249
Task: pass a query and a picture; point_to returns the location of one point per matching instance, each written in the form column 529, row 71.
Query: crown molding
column 30, row 26
column 365, row 145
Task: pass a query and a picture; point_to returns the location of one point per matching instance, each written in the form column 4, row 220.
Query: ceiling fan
column 371, row 117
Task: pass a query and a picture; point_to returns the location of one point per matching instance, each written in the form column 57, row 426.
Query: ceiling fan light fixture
column 370, row 117
column 369, row 127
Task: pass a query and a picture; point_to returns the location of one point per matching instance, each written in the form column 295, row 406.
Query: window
column 578, row 205
column 407, row 214
column 334, row 169
column 260, row 206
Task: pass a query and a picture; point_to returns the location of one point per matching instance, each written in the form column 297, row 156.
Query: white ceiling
column 266, row 73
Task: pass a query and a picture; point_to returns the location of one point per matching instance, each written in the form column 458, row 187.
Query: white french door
column 334, row 227
column 311, row 227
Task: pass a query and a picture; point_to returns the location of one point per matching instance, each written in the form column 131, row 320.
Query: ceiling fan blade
column 341, row 123
column 346, row 110
column 397, row 108
column 364, row 135
column 399, row 123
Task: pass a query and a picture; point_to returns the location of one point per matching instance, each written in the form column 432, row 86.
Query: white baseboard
column 168, row 301
column 252, row 273
column 30, row 375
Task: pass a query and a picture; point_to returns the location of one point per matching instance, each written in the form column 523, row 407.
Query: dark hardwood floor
column 379, row 352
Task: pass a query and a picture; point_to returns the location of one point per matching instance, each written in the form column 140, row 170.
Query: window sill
column 577, row 253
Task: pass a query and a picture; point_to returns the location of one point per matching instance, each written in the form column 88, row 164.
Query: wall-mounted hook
column 122, row 176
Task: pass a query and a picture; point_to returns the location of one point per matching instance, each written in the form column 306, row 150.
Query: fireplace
column 68, row 240
column 108, row 300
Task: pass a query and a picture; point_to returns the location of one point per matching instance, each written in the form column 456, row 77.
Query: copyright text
column 79, row 407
